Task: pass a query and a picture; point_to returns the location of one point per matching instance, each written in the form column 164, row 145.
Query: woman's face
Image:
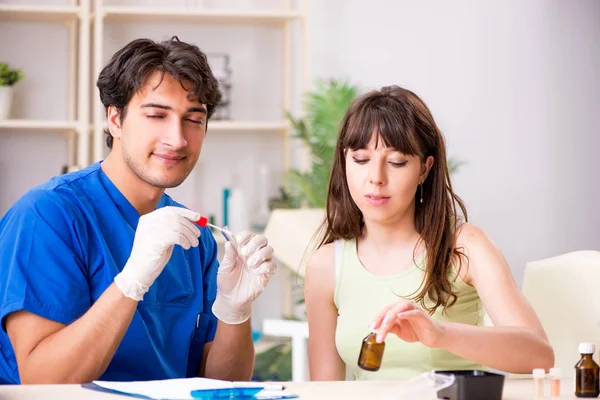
column 383, row 181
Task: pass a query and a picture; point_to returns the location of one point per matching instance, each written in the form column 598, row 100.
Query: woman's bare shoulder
column 323, row 259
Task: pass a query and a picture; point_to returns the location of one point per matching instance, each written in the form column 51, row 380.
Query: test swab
column 203, row 222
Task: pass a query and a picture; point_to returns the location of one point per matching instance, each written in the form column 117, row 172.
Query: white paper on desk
column 181, row 388
column 166, row 389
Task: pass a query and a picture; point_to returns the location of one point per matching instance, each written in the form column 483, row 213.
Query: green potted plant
column 304, row 193
column 8, row 78
column 325, row 107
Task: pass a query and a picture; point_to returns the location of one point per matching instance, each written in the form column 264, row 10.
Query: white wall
column 514, row 85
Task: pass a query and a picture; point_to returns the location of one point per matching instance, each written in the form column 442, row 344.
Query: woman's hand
column 409, row 322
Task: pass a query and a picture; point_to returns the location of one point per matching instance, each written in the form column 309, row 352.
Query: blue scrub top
column 62, row 244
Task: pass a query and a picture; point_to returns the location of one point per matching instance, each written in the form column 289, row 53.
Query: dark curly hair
column 130, row 67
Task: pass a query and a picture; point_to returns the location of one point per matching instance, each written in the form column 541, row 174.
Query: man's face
column 161, row 136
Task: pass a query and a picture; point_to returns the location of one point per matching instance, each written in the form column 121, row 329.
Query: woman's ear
column 113, row 119
column 425, row 168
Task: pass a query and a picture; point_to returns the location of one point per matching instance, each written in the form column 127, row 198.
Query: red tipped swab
column 203, row 222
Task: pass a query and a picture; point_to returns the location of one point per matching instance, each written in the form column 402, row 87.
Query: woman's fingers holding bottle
column 376, row 323
column 387, row 319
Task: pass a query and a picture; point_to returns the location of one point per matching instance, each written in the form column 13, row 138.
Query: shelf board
column 209, row 16
column 221, row 126
column 246, row 126
column 31, row 124
column 37, row 13
column 239, row 126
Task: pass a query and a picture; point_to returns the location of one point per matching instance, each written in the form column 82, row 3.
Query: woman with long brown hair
column 398, row 257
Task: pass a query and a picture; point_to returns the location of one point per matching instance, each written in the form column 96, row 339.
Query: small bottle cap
column 556, row 372
column 539, row 373
column 202, row 221
column 586, row 348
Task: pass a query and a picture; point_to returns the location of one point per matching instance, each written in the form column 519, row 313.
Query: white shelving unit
column 84, row 130
column 85, row 123
column 38, row 13
column 37, row 125
column 197, row 15
column 76, row 19
column 85, row 21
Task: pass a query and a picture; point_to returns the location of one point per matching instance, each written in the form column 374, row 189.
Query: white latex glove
column 239, row 286
column 156, row 234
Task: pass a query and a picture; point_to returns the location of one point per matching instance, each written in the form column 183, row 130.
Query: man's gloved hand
column 156, row 234
column 239, row 286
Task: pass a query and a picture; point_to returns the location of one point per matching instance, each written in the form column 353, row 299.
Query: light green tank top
column 360, row 295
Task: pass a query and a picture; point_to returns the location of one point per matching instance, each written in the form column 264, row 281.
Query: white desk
column 514, row 389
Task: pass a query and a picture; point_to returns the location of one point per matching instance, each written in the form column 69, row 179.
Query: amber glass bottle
column 586, row 373
column 371, row 353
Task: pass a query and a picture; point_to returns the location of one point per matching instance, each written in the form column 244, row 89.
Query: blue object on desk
column 227, row 393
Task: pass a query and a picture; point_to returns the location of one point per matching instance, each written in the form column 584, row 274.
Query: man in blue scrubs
column 103, row 275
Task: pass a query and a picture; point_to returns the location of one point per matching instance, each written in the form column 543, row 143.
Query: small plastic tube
column 555, row 375
column 538, row 381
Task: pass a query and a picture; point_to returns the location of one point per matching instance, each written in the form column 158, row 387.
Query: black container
column 473, row 385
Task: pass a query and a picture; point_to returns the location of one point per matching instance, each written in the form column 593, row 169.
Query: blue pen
column 227, row 393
